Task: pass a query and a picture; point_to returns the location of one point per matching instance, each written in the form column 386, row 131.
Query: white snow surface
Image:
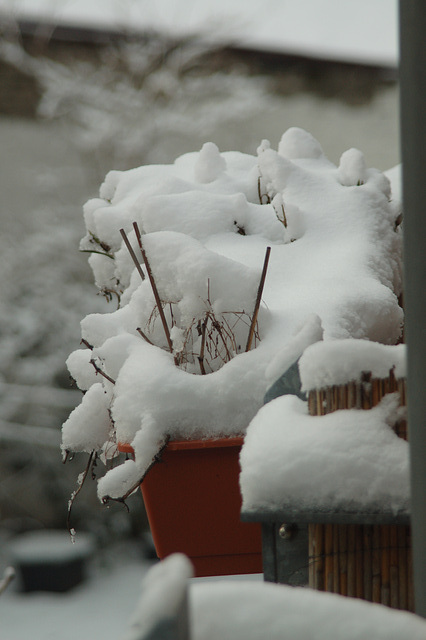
column 337, row 278
column 346, row 461
column 249, row 611
column 338, row 29
column 92, row 413
column 338, row 362
column 163, row 592
column 237, row 607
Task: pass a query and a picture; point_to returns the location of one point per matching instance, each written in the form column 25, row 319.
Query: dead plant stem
column 90, row 463
column 132, row 254
column 102, row 373
column 203, row 342
column 154, row 288
column 144, row 336
column 258, row 299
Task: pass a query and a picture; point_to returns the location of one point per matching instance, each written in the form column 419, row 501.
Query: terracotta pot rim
column 179, row 445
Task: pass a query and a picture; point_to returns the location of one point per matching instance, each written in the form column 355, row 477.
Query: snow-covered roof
column 365, row 31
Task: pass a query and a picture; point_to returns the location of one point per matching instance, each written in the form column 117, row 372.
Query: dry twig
column 102, row 373
column 203, row 342
column 154, row 287
column 132, row 254
column 144, row 336
column 258, row 299
column 91, row 463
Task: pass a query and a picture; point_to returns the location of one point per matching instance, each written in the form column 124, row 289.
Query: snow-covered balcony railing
column 329, row 478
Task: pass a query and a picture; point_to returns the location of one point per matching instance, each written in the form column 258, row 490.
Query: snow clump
column 348, row 461
column 206, row 222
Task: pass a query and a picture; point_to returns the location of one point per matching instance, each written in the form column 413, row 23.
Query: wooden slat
column 376, row 565
column 367, row 562
column 359, row 558
column 343, row 559
column 393, row 569
column 402, row 568
column 385, row 564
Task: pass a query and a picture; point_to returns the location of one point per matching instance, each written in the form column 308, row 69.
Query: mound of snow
column 206, row 222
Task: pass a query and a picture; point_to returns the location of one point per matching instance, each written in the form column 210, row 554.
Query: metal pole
column 413, row 136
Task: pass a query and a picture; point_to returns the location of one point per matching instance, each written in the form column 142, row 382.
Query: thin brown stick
column 258, row 299
column 352, row 403
column 367, row 566
column 375, row 565
column 218, row 328
column 284, row 216
column 311, row 554
column 336, row 566
column 329, row 558
column 335, row 396
column 318, row 546
column 102, row 373
column 375, row 390
column 393, row 569
column 343, row 559
column 259, row 191
column 312, row 403
column 365, row 385
column 262, row 195
column 328, row 400
column 203, row 342
column 359, row 558
column 320, row 402
column 132, row 254
column 351, row 561
column 342, row 397
column 385, row 564
column 410, row 578
column 144, row 336
column 154, row 288
column 402, row 567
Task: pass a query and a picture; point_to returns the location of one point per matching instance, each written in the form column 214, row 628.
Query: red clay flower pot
column 193, row 501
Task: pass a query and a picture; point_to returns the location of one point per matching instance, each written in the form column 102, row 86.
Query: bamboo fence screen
column 372, row 562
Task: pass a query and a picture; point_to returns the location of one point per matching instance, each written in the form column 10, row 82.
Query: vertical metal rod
column 413, row 135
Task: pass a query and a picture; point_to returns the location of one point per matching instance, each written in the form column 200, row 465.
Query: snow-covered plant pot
column 195, row 489
column 183, row 248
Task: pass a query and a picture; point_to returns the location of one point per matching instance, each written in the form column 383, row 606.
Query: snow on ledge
column 345, row 461
column 163, row 595
column 338, row 362
column 251, row 610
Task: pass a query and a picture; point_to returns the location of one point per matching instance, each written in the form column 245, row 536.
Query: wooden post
column 413, row 136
